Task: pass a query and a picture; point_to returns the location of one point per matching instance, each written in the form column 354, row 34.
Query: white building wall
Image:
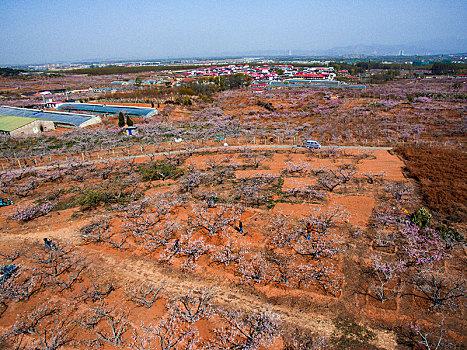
column 33, row 128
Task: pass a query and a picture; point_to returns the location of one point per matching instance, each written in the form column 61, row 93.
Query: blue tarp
column 5, row 202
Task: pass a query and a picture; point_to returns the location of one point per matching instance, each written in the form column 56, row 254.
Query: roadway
column 197, row 150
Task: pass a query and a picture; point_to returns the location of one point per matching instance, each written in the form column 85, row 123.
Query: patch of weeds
column 278, row 186
column 270, row 204
column 160, row 170
column 350, row 335
column 65, row 204
column 55, row 195
column 450, row 235
column 266, row 105
column 268, row 154
column 283, row 200
column 114, row 193
column 76, row 214
column 247, row 167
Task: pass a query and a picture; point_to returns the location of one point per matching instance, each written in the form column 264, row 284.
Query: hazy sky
column 39, row 31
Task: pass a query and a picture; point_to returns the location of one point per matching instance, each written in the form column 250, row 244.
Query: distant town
column 90, row 80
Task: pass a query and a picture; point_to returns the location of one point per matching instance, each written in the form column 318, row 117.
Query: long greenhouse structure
column 64, row 119
column 107, row 109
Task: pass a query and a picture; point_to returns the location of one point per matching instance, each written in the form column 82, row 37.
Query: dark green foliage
column 129, row 122
column 91, row 198
column 6, row 271
column 10, row 72
column 184, row 90
column 121, row 120
column 421, row 217
column 124, row 70
column 160, row 169
column 234, row 81
column 350, row 335
column 115, row 193
column 380, row 65
column 450, row 235
column 441, row 68
column 279, row 71
column 267, row 105
column 183, row 100
column 201, row 87
column 138, row 81
column 383, row 76
column 65, row 204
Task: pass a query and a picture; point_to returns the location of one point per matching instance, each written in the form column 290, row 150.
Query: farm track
column 139, row 269
column 199, row 150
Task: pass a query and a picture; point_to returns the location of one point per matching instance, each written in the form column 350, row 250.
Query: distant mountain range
column 420, row 48
column 432, row 47
column 425, row 47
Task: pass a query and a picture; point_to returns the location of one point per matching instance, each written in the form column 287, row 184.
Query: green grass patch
column 350, row 335
column 160, row 170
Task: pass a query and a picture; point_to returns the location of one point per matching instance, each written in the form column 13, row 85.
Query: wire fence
column 140, row 151
column 149, row 150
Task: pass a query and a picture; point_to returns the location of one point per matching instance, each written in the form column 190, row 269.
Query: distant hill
column 426, row 47
column 422, row 48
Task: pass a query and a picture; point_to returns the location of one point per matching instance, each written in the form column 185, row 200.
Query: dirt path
column 137, row 269
column 198, row 150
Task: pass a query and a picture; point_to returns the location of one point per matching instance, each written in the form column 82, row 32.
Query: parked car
column 312, row 144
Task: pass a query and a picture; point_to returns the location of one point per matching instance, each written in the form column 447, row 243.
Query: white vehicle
column 312, row 144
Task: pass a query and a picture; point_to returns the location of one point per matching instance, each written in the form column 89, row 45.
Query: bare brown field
column 441, row 173
column 301, row 271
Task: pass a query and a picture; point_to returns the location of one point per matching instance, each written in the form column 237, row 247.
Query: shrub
column 92, row 197
column 421, row 217
column 121, row 120
column 451, row 236
column 183, row 100
column 32, row 212
column 266, row 105
column 129, row 122
column 160, row 169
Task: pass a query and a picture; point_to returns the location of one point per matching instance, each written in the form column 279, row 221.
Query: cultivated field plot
column 240, row 249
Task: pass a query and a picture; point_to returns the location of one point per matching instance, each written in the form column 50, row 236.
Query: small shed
column 130, row 130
